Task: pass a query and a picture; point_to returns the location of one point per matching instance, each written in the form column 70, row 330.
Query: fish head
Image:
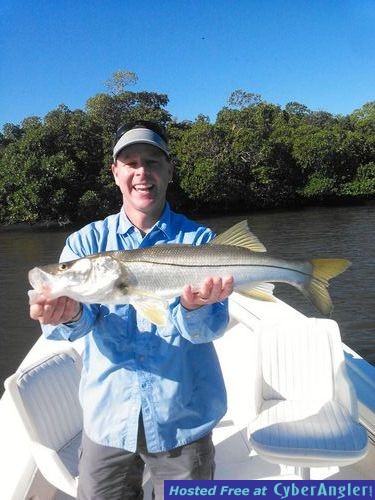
column 83, row 279
column 57, row 278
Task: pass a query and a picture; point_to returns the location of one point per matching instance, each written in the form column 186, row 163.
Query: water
column 314, row 232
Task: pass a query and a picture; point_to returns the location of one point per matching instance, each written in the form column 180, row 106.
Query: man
column 149, row 394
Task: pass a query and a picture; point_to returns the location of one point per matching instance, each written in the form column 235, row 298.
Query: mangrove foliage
column 254, row 155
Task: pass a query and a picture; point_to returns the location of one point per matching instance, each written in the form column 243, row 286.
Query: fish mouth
column 39, row 279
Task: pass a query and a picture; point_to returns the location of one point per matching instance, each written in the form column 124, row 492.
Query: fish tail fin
column 317, row 289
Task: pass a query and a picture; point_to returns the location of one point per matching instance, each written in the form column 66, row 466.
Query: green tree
column 109, row 112
column 254, row 155
column 120, row 80
column 11, row 133
column 363, row 185
column 241, row 99
column 297, row 109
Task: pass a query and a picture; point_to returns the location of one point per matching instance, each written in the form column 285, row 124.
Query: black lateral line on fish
column 227, row 265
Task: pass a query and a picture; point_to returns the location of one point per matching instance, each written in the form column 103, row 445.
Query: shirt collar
column 164, row 223
column 124, row 224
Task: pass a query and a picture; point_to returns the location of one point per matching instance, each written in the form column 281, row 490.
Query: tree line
column 254, row 155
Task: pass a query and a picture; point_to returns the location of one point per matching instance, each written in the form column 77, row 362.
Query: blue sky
column 317, row 52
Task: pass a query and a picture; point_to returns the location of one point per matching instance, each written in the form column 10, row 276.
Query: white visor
column 140, row 135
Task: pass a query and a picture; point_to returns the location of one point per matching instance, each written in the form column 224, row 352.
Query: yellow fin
column 263, row 291
column 153, row 310
column 239, row 235
column 323, row 271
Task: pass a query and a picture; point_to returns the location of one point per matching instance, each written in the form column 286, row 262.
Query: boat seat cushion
column 49, row 391
column 296, row 359
column 306, row 407
column 69, row 454
column 291, row 429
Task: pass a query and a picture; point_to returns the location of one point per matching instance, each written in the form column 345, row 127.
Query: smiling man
column 142, row 171
column 149, row 394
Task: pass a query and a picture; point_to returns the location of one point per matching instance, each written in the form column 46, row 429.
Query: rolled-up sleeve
column 75, row 330
column 201, row 325
column 206, row 323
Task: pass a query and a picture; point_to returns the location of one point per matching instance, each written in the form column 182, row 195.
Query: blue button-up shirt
column 170, row 374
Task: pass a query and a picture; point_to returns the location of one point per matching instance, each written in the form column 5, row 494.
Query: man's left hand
column 213, row 290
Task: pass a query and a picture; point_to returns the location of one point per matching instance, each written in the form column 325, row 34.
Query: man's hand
column 55, row 311
column 213, row 290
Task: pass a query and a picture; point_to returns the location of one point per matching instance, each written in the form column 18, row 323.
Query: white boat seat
column 307, row 412
column 46, row 398
column 69, row 454
column 305, row 435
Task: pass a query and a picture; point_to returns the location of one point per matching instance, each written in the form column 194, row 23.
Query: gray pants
column 107, row 473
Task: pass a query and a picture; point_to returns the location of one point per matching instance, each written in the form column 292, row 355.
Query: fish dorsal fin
column 239, row 235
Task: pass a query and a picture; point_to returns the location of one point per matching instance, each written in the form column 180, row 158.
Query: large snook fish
column 148, row 278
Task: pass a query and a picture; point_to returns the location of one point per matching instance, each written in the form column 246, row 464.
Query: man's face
column 142, row 172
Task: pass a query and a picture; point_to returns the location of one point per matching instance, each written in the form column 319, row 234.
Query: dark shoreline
column 55, row 226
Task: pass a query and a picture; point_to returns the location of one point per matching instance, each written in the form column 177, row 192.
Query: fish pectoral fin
column 262, row 291
column 239, row 235
column 154, row 310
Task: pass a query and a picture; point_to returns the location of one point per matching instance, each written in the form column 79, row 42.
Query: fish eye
column 62, row 267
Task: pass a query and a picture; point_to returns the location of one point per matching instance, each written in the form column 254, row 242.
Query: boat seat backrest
column 49, row 392
column 299, row 359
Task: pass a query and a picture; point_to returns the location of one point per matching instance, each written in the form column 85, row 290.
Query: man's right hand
column 55, row 311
